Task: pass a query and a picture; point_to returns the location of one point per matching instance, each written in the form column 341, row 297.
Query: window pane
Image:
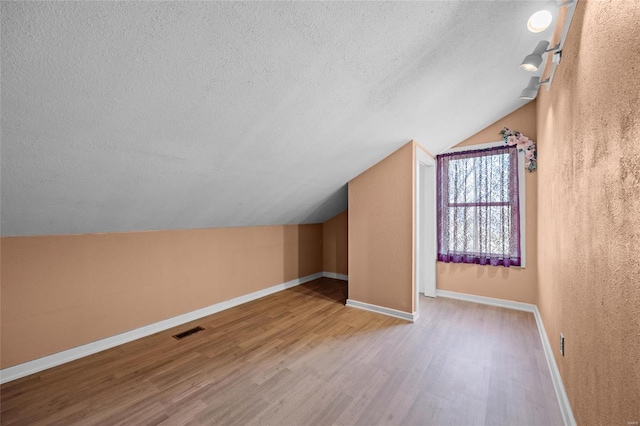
column 478, row 207
column 482, row 179
column 462, row 237
column 496, row 221
column 493, row 178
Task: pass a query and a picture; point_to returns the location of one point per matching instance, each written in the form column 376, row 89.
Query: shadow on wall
column 302, row 250
column 327, row 208
column 454, row 269
column 303, row 243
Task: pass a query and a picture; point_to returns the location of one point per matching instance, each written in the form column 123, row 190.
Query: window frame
column 521, row 192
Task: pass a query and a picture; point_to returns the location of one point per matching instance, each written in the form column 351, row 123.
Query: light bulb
column 529, row 67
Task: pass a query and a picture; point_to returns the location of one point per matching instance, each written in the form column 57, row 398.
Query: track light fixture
column 531, row 91
column 538, row 22
column 532, row 61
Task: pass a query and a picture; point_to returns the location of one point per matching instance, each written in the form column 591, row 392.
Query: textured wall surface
column 519, row 284
column 59, row 292
column 335, row 244
column 589, row 215
column 381, row 232
column 130, row 116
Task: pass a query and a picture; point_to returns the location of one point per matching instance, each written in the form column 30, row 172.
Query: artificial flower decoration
column 523, row 143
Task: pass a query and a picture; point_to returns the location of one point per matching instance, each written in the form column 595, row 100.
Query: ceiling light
column 531, row 91
column 539, row 21
column 532, row 62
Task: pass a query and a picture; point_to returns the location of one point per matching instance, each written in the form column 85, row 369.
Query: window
column 478, row 204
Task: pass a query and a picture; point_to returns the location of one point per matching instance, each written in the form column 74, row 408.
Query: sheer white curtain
column 478, row 207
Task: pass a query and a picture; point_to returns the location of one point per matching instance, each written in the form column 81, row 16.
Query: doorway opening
column 425, row 214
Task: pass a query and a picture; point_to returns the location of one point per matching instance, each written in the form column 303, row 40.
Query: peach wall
column 381, row 232
column 589, row 216
column 335, row 243
column 59, row 292
column 519, row 284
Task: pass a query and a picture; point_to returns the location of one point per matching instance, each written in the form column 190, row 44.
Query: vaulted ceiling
column 123, row 116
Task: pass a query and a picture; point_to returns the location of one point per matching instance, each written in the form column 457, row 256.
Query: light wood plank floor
column 301, row 357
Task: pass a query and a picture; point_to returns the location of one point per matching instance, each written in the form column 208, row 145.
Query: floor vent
column 187, row 333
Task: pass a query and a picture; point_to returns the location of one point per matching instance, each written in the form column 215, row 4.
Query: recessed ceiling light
column 539, row 21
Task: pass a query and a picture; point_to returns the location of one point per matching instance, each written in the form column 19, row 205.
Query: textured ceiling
column 122, row 116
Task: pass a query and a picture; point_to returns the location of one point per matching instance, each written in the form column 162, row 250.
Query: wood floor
column 301, row 357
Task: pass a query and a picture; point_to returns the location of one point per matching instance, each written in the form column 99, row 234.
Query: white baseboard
column 40, row 364
column 382, row 310
column 335, row 276
column 561, row 394
column 501, row 303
